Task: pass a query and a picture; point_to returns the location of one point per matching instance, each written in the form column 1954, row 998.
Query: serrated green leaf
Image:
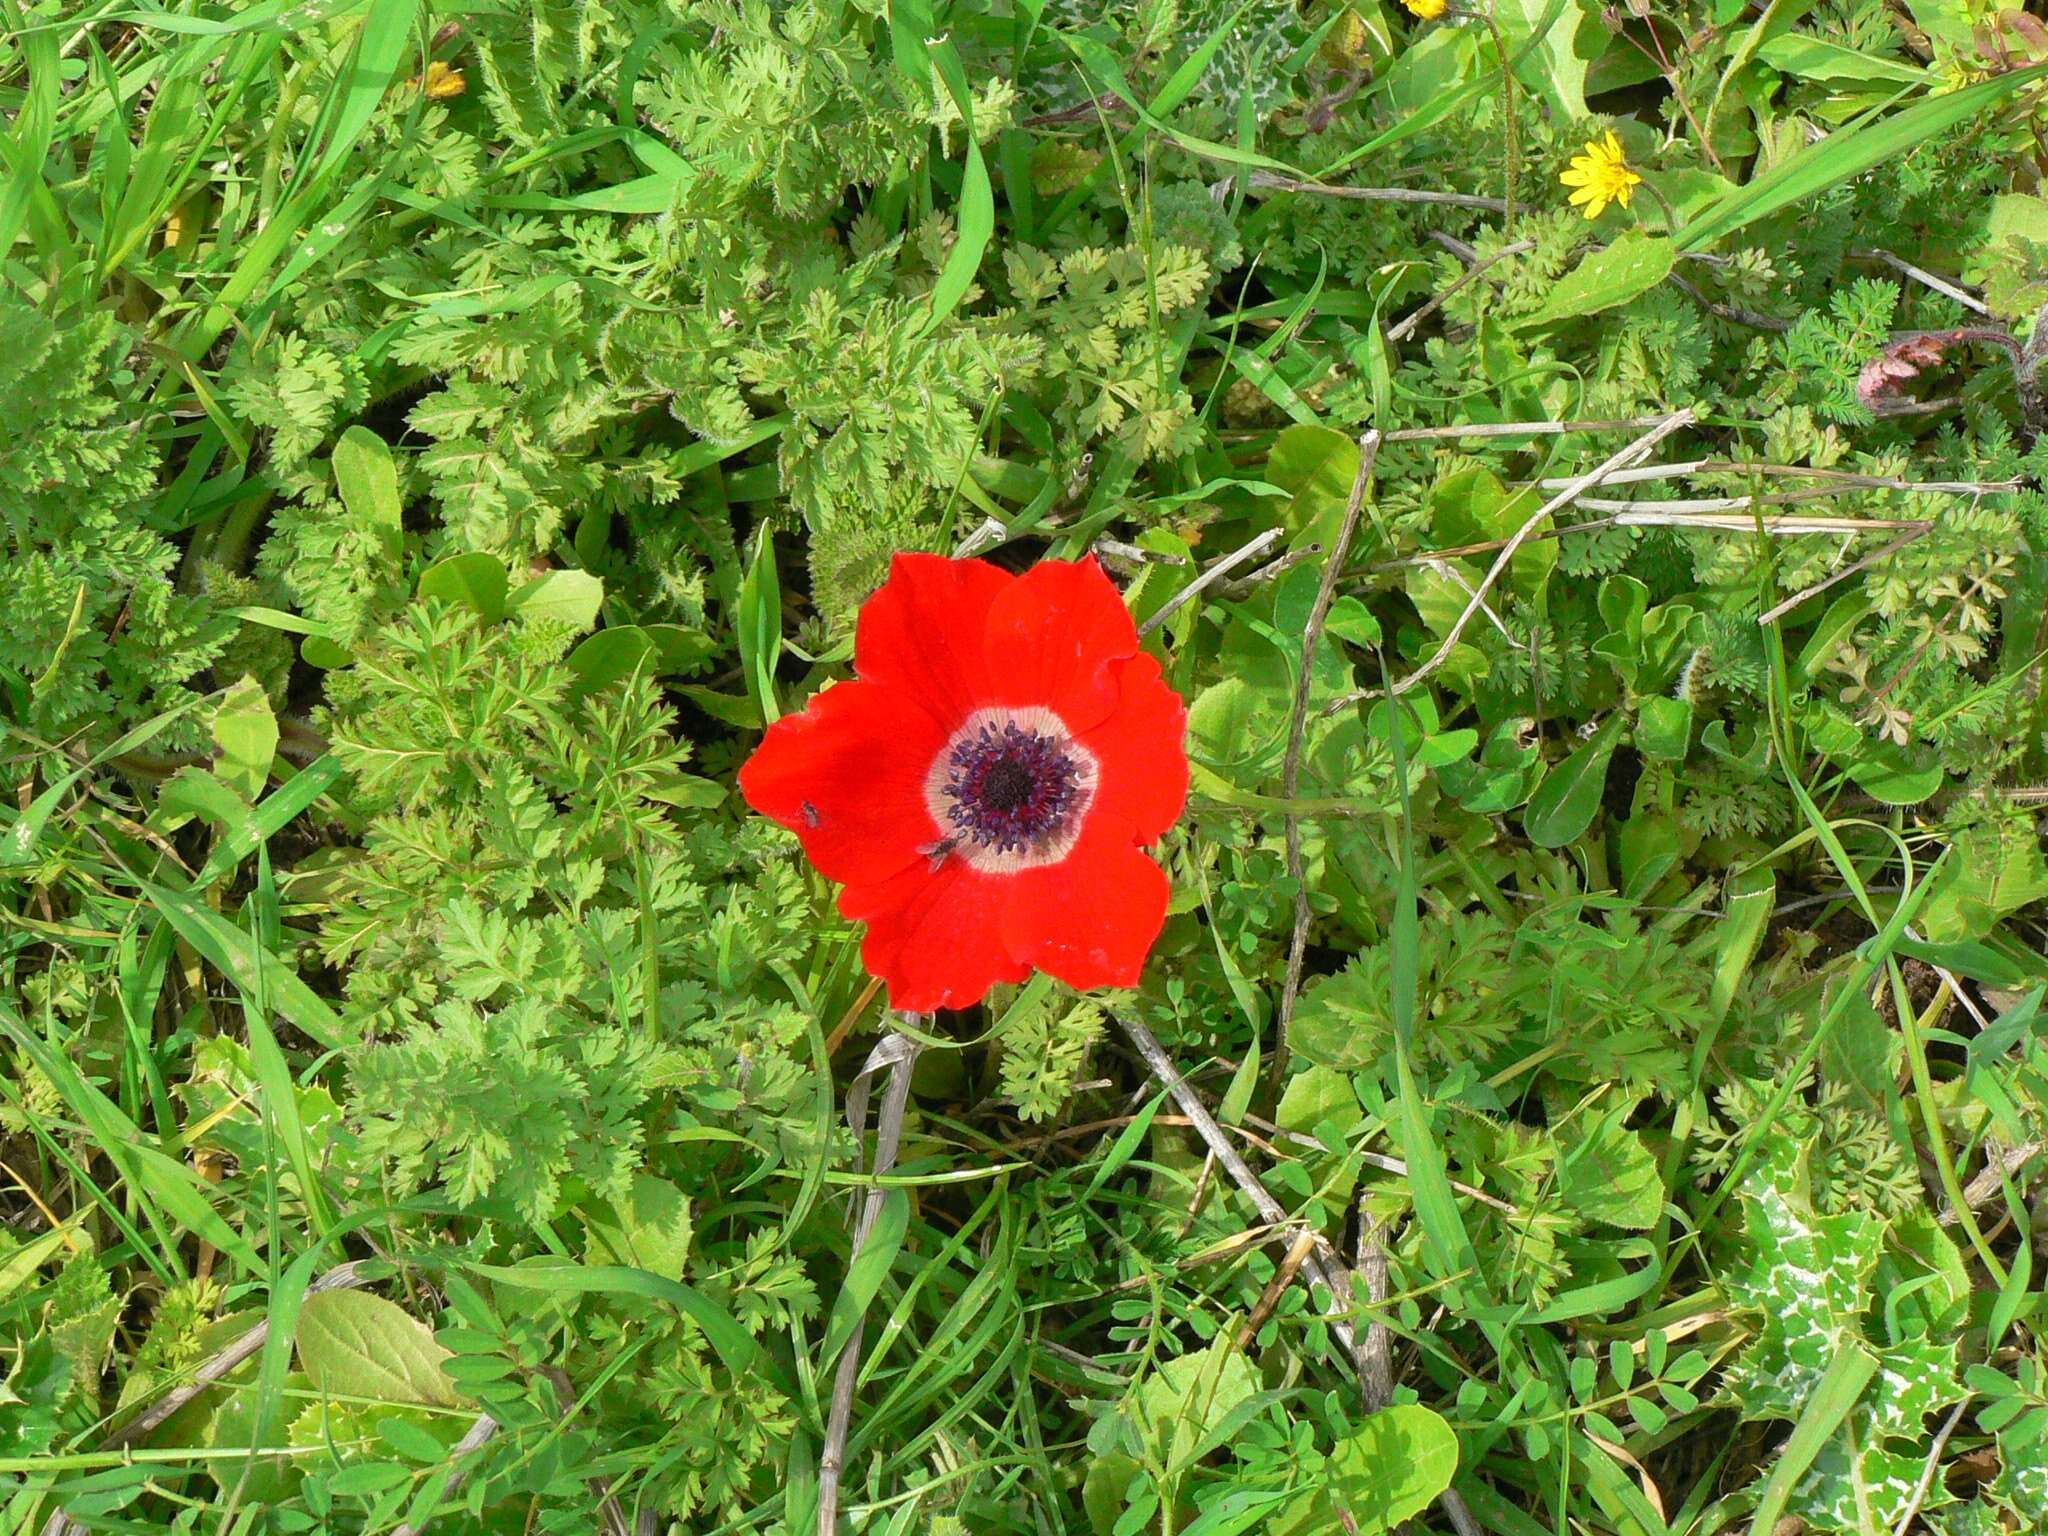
column 1629, row 267
column 1386, row 1471
column 569, row 598
column 1610, row 1175
column 355, row 1345
column 1805, row 1277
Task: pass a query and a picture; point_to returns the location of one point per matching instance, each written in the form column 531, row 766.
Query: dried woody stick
column 1322, row 1265
column 1632, row 454
column 897, row 1053
column 342, row 1277
column 1320, row 1262
column 1297, row 736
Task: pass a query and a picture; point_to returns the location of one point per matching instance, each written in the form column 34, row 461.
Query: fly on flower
column 1601, row 175
column 984, row 788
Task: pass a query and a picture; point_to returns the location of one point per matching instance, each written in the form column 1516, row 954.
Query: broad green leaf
column 1545, row 41
column 1997, row 868
column 245, row 730
column 1316, row 1094
column 687, row 790
column 1835, row 626
column 614, row 651
column 1629, row 266
column 1568, row 799
column 355, row 1345
column 1341, row 1020
column 195, row 792
column 1177, row 1406
column 2013, row 214
column 1818, row 58
column 651, row 1229
column 1349, row 619
column 1663, row 727
column 1389, row 1469
column 1316, row 466
column 475, row 580
column 1506, row 771
column 1233, row 725
column 323, row 653
column 1610, row 1175
column 1648, row 846
column 1106, row 1490
column 569, row 598
column 1752, row 898
column 237, row 1425
column 1895, row 775
column 367, row 479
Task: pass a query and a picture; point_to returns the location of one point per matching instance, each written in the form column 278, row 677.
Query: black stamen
column 1011, row 787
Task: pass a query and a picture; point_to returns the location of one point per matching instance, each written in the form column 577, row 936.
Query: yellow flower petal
column 1601, row 175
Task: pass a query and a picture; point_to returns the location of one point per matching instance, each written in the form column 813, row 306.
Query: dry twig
column 1210, row 577
column 1765, row 618
column 342, row 1277
column 1733, row 313
column 1922, row 275
column 1927, row 1472
column 1322, row 1265
column 1634, row 452
column 1266, row 181
column 1522, row 429
column 1376, row 1354
column 897, row 1053
column 1399, row 331
column 1847, row 479
column 1283, row 1276
column 1297, row 737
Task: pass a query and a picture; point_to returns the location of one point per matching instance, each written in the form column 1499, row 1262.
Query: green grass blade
column 1848, row 152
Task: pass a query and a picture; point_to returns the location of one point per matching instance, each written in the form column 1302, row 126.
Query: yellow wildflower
column 442, row 81
column 1428, row 10
column 1601, row 176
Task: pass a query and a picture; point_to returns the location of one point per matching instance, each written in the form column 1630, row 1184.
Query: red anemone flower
column 983, row 788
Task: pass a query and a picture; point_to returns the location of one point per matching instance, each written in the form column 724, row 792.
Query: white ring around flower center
column 1058, row 841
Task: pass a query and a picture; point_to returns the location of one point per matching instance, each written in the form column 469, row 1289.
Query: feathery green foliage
column 433, row 442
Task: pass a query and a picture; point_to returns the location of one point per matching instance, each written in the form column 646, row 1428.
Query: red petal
column 1090, row 919
column 847, row 777
column 1051, row 637
column 1142, row 752
column 934, row 936
column 922, row 632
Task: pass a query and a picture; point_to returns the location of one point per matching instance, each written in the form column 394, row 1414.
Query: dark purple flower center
column 1010, row 788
